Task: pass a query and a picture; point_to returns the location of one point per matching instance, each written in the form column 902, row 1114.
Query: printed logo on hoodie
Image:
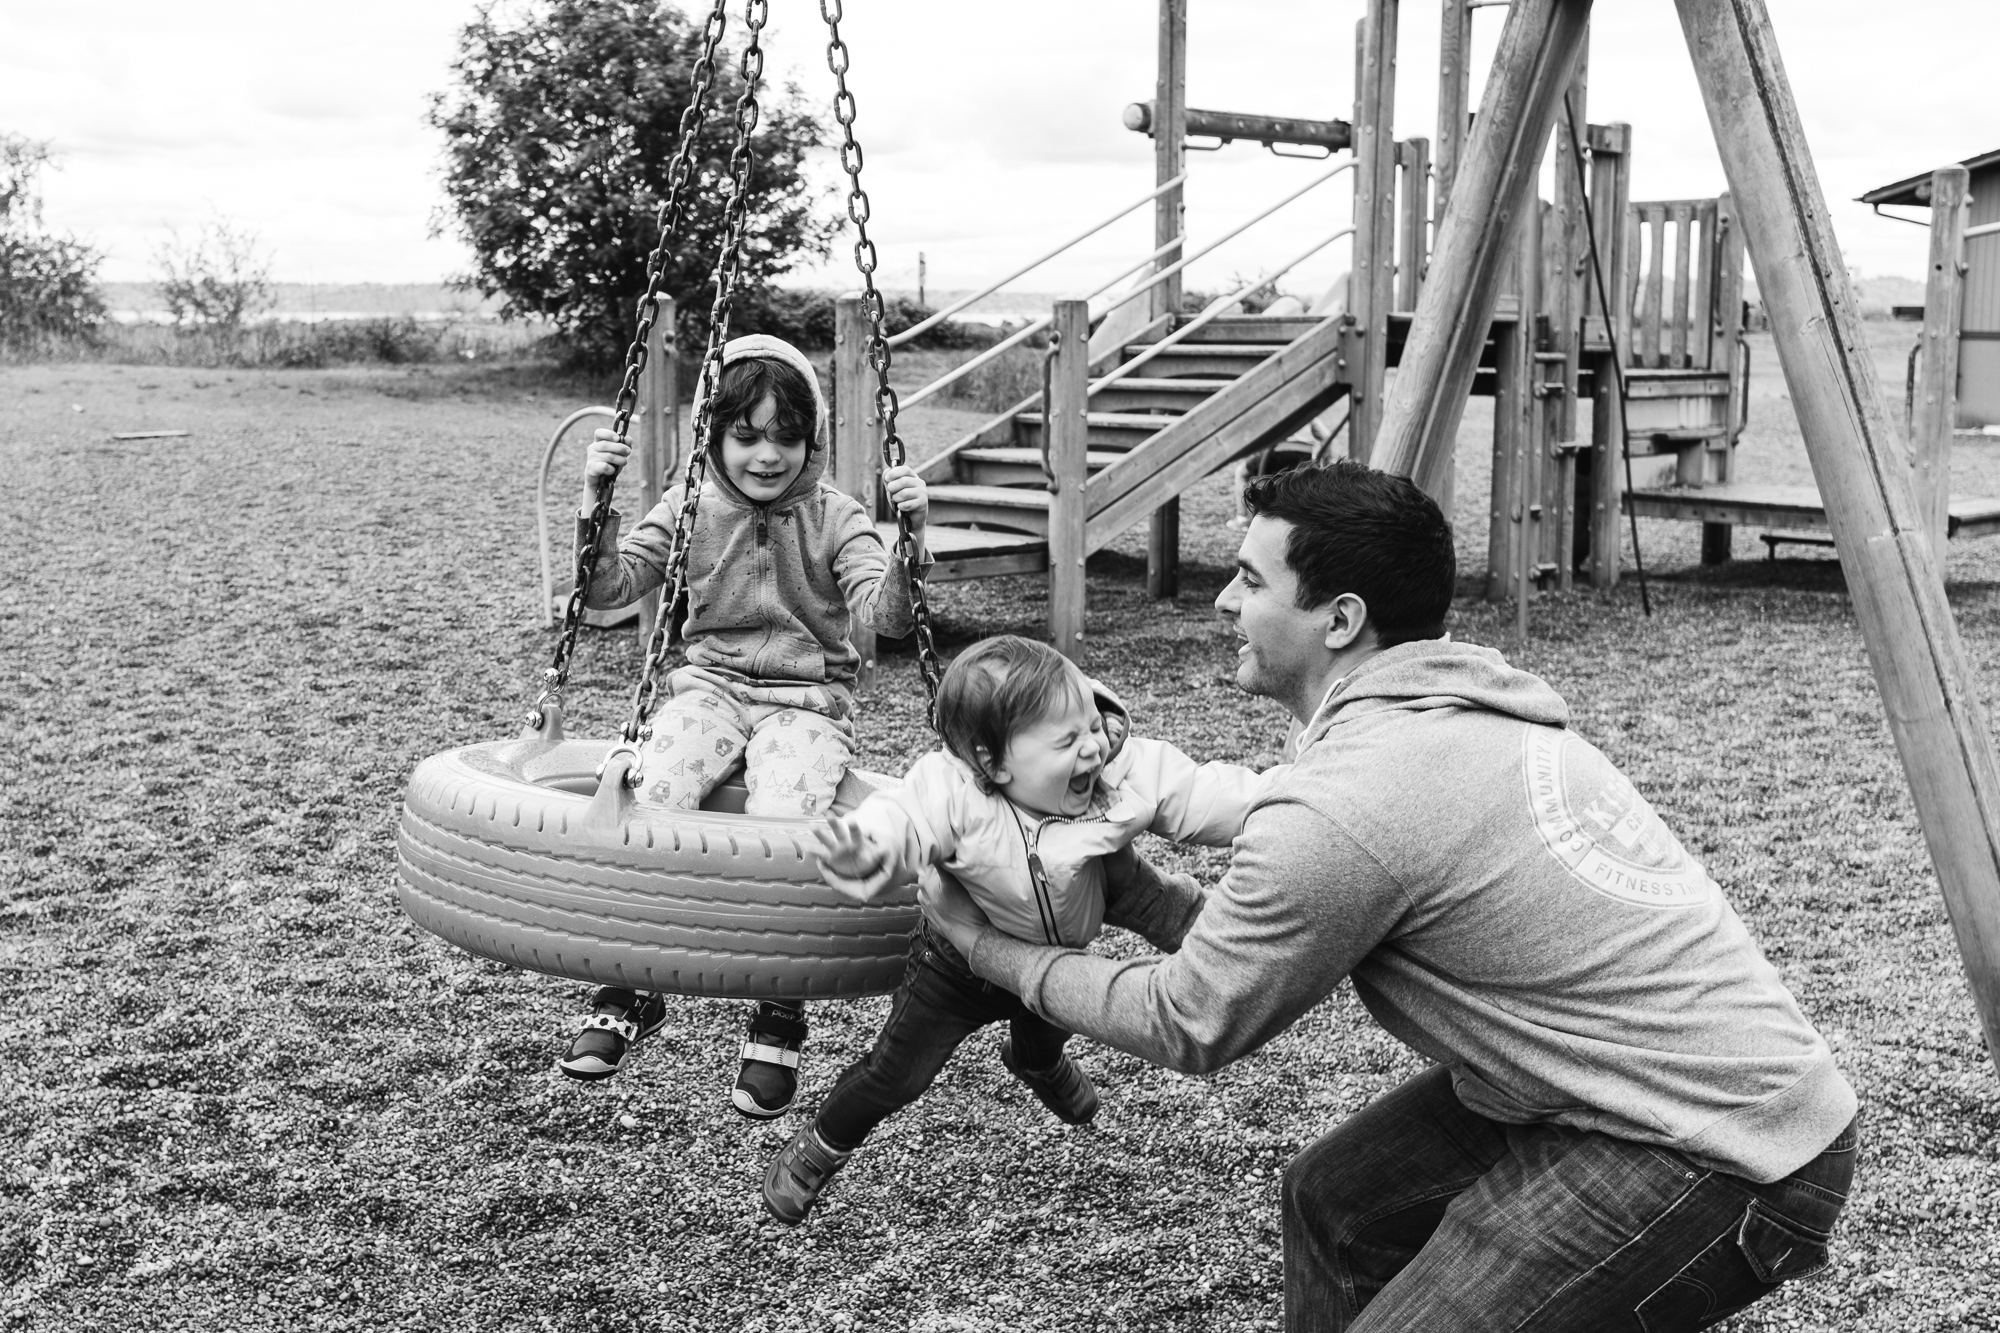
column 1600, row 827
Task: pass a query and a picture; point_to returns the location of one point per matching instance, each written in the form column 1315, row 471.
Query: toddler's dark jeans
column 939, row 1005
column 1418, row 1214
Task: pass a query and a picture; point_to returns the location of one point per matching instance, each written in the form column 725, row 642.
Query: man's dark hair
column 744, row 384
column 996, row 689
column 1360, row 531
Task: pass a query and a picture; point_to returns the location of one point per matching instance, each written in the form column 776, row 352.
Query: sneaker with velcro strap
column 768, row 1081
column 620, row 1018
column 1066, row 1090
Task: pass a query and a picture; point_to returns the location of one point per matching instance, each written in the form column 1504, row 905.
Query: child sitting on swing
column 1037, row 783
column 778, row 564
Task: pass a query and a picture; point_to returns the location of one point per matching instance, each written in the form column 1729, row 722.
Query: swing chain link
column 728, row 265
column 865, row 259
column 669, row 218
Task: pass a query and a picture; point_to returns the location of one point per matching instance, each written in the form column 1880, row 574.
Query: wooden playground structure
column 1466, row 283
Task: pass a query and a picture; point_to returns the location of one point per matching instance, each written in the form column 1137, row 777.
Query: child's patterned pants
column 796, row 742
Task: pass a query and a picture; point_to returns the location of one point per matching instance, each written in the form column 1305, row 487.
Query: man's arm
column 1301, row 905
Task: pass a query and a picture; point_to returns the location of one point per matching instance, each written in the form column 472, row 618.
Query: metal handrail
column 1213, row 311
column 542, row 504
column 1023, row 334
column 915, row 330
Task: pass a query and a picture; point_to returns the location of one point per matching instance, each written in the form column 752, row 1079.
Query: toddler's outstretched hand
column 607, row 455
column 848, row 859
column 907, row 492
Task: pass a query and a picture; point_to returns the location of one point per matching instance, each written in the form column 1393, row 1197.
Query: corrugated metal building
column 1979, row 345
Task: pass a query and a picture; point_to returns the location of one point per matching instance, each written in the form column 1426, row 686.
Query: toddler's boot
column 769, row 1078
column 619, row 1019
column 798, row 1173
column 1066, row 1090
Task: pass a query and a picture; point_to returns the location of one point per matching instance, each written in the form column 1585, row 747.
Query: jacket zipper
column 1044, row 901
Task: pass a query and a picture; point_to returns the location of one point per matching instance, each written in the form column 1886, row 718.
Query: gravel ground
column 242, row 1091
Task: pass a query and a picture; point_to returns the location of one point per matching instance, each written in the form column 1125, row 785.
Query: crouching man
column 1629, row 1123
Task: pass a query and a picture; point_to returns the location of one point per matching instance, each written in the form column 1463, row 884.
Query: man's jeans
column 1418, row 1214
column 940, row 1003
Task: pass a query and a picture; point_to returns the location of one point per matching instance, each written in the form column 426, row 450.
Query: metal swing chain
column 858, row 212
column 669, row 217
column 728, row 264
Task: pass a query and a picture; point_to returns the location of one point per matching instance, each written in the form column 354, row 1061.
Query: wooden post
column 1413, row 158
column 1496, row 182
column 1371, row 286
column 1564, row 272
column 857, row 447
column 1937, row 368
column 1454, row 96
column 1068, row 435
column 1163, row 531
column 1503, row 531
column 659, row 433
column 1610, row 191
column 1921, row 667
column 1725, row 353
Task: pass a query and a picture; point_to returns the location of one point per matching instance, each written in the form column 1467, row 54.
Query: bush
column 48, row 283
column 216, row 281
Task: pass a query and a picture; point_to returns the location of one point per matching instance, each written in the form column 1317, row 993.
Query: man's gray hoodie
column 1506, row 903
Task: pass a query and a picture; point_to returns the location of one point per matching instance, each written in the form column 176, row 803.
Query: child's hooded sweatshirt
column 771, row 586
column 1505, row 902
column 1040, row 877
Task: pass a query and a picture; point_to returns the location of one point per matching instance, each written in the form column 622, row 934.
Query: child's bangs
column 746, row 383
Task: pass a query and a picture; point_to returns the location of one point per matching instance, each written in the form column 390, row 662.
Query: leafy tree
column 48, row 283
column 215, row 281
column 557, row 141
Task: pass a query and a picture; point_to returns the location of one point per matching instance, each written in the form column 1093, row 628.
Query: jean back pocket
column 1777, row 1248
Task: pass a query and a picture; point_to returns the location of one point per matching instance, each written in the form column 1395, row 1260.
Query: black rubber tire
column 497, row 858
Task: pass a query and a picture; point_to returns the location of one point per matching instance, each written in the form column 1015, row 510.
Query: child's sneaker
column 1066, row 1090
column 769, row 1078
column 797, row 1174
column 619, row 1018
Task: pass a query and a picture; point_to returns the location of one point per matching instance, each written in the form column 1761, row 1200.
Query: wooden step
column 1117, row 430
column 1009, row 508
column 985, row 466
column 1269, row 330
column 1142, row 392
column 1203, row 361
column 968, row 553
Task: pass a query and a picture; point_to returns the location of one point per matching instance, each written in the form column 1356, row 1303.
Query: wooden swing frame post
column 1863, row 471
column 1864, row 479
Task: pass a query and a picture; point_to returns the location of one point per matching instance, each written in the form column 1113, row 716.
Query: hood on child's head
column 762, row 346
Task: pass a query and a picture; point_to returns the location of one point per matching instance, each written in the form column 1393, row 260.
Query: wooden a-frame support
column 1863, row 469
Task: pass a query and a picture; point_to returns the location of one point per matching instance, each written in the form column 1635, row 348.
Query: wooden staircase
column 1007, row 492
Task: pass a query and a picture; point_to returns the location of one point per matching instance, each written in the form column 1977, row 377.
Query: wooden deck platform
column 962, row 553
column 1784, row 507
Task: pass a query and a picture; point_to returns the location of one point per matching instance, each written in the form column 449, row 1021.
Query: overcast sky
column 992, row 130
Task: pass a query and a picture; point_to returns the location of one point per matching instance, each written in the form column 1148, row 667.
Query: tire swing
column 533, row 851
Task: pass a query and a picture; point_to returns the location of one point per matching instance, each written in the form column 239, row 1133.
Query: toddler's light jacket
column 1039, row 877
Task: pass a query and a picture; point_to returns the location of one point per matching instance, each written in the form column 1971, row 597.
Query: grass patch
column 244, row 1092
